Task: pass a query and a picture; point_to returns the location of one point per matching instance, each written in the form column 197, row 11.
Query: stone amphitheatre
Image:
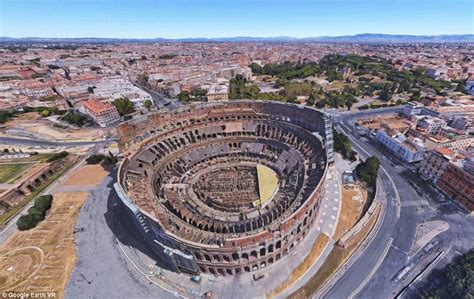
column 225, row 188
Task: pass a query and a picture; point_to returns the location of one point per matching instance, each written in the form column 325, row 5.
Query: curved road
column 371, row 271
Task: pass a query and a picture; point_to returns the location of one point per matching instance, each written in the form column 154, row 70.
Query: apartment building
column 434, row 163
column 457, row 182
column 412, row 108
column 408, row 150
column 430, row 124
column 103, row 113
column 218, row 93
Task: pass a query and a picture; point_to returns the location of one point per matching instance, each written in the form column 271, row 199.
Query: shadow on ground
column 120, row 223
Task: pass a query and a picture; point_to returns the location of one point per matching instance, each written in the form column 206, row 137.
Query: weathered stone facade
column 214, row 228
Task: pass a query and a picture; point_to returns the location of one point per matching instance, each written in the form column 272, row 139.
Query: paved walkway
column 330, row 205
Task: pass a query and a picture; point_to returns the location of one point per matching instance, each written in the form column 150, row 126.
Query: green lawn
column 10, row 171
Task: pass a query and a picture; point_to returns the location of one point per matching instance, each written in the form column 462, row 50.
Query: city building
column 460, row 122
column 412, row 108
column 406, row 149
column 430, row 124
column 103, row 113
column 218, row 93
column 434, row 163
column 457, row 182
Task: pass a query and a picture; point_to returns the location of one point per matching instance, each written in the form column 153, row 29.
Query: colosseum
column 225, row 187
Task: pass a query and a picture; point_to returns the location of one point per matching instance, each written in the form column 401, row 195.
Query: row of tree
column 36, row 213
column 108, row 159
column 454, row 281
column 343, row 145
column 195, row 95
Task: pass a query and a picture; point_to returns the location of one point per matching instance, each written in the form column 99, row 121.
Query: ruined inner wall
column 165, row 151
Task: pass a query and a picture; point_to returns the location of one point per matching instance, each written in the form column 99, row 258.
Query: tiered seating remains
column 196, row 176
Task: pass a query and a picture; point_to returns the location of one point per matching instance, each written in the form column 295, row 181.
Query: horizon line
column 245, row 36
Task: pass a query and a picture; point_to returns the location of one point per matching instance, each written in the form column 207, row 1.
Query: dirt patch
column 87, row 175
column 352, row 206
column 41, row 259
column 30, row 124
column 318, row 247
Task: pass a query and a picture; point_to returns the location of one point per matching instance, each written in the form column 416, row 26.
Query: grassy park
column 9, row 171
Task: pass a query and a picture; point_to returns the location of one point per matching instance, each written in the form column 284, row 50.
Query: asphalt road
column 419, row 203
column 38, row 142
column 161, row 101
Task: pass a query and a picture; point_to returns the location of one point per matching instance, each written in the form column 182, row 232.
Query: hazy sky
column 226, row 18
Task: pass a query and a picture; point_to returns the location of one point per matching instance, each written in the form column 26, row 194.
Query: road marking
column 396, row 190
column 374, row 269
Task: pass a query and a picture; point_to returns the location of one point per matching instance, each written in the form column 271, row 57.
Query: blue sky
column 227, row 18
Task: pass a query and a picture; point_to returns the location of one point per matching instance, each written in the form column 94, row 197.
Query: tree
column 454, row 281
column 36, row 213
column 26, row 222
column 94, row 159
column 311, row 100
column 256, row 68
column 75, row 119
column 343, row 145
column 349, row 104
column 124, row 106
column 58, row 156
column 45, row 113
column 415, row 95
column 148, row 104
column 460, row 87
column 367, row 171
column 385, row 95
column 184, row 96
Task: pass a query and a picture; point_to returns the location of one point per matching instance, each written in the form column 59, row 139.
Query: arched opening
column 235, row 256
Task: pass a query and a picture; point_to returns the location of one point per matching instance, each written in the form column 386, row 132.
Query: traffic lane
column 406, row 226
column 34, row 142
column 355, row 274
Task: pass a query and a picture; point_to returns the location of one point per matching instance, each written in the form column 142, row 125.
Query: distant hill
column 359, row 38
